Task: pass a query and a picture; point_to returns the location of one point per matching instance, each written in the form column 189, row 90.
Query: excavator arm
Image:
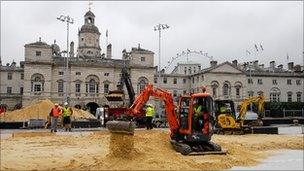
column 259, row 100
column 144, row 96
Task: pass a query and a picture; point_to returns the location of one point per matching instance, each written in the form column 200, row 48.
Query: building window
column 237, row 91
column 106, row 88
column 9, row 76
column 184, row 91
column 165, row 80
column 260, row 93
column 92, row 86
column 60, row 73
column 274, row 82
column 77, row 87
column 184, row 80
column 174, row 80
column 9, row 90
column 197, row 79
column 299, row 96
column 185, row 71
column 21, row 90
column 37, row 88
column 298, row 82
column 250, row 93
column 226, row 89
column 192, row 80
column 203, row 78
column 37, row 83
column 22, row 76
column 250, row 81
column 106, row 74
column 289, row 97
column 260, row 81
column 214, row 91
column 174, row 93
column 78, row 73
column 288, row 82
column 155, row 80
column 190, row 71
column 142, row 59
column 82, row 39
column 60, row 86
column 38, row 53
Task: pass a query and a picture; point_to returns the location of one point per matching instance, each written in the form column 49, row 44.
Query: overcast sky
column 222, row 29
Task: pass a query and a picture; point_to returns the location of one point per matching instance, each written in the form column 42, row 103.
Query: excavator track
column 205, row 149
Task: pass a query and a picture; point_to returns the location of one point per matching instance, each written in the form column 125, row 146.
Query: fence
column 285, row 113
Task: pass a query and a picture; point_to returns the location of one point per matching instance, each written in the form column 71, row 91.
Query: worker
column 67, row 112
column 201, row 117
column 223, row 109
column 149, row 116
column 55, row 113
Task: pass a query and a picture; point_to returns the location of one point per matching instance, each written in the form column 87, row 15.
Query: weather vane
column 90, row 3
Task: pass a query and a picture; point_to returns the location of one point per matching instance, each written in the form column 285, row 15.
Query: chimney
column 272, row 64
column 280, row 66
column 297, row 68
column 213, row 63
column 290, row 66
column 138, row 45
column 109, row 51
column 256, row 64
column 235, row 62
column 71, row 49
column 261, row 66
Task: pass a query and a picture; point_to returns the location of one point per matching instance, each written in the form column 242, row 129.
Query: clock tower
column 89, row 37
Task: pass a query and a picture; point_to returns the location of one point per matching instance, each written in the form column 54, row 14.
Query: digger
column 186, row 137
column 229, row 123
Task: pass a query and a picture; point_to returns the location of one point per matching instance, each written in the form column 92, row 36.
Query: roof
column 89, row 28
column 38, row 43
column 89, row 13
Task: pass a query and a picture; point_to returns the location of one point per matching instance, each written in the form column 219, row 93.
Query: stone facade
column 90, row 76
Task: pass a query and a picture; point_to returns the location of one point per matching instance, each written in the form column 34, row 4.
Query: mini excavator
column 190, row 135
column 229, row 123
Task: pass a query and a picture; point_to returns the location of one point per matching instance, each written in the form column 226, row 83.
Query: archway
column 92, row 106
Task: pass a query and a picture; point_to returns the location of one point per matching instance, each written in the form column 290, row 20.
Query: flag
column 261, row 47
column 247, row 51
column 107, row 33
column 256, row 47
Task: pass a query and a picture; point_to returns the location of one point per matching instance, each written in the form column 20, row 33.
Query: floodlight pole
column 69, row 21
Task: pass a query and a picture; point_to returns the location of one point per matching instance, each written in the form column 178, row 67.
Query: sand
column 151, row 151
column 39, row 110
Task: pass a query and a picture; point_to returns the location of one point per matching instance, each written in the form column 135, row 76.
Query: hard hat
column 56, row 104
column 65, row 103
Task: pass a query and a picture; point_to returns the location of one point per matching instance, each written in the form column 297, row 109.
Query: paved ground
column 283, row 160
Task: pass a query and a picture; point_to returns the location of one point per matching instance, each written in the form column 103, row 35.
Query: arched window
column 92, row 84
column 226, row 89
column 37, row 83
column 238, row 87
column 275, row 94
column 142, row 82
column 214, row 86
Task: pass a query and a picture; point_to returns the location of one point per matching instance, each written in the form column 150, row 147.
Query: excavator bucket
column 121, row 127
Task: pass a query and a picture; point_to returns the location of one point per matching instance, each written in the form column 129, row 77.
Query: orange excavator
column 190, row 135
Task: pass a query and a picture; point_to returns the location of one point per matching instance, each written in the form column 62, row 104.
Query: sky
column 224, row 30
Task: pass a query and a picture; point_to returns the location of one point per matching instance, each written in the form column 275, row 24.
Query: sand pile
column 39, row 110
column 121, row 146
column 153, row 152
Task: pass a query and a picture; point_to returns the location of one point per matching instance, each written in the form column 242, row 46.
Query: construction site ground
column 92, row 149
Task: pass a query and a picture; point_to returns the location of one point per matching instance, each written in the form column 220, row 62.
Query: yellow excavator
column 229, row 123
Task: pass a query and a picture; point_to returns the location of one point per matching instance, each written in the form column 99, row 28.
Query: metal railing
column 287, row 113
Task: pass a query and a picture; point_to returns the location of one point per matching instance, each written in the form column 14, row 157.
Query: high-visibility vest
column 56, row 111
column 66, row 112
column 197, row 110
column 150, row 112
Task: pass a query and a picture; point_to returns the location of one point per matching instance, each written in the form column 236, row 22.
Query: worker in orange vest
column 55, row 113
